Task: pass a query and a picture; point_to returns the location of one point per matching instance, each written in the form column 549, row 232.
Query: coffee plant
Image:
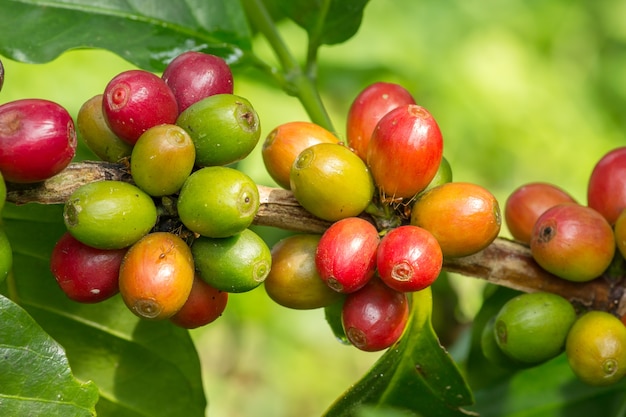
column 131, row 226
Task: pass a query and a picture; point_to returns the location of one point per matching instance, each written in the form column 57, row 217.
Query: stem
column 295, row 81
column 504, row 262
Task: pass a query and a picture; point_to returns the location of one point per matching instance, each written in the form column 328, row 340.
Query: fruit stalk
column 504, row 262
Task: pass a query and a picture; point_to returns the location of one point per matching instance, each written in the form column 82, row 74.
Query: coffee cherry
column 619, row 230
column 409, row 258
column 156, row 276
column 162, row 159
column 136, row 100
column 331, row 182
column 443, row 175
column 532, row 327
column 346, row 254
column 573, row 242
column 529, row 201
column 6, row 256
column 464, row 217
column 235, row 264
column 285, row 142
column 203, row 306
column 375, row 316
column 193, row 76
column 606, row 189
column 225, row 128
column 218, row 201
column 1, row 74
column 37, row 139
column 405, row 151
column 109, row 214
column 85, row 274
column 372, row 103
column 97, row 134
column 596, row 348
column 293, row 280
column 492, row 351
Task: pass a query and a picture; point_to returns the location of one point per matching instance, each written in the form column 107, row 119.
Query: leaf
column 140, row 367
column 29, row 361
column 144, row 32
column 327, row 21
column 416, row 374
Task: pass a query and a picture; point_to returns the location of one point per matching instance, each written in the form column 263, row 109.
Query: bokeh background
column 523, row 91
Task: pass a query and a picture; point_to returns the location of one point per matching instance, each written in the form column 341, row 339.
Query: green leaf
column 140, row 367
column 145, row 32
column 327, row 21
column 416, row 374
column 30, row 360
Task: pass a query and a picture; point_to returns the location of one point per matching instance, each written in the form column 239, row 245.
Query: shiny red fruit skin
column 529, row 201
column 606, row 188
column 85, row 274
column 573, row 242
column 409, row 258
column 195, row 75
column 372, row 103
column 375, row 316
column 405, row 151
column 136, row 100
column 203, row 306
column 346, row 254
column 37, row 140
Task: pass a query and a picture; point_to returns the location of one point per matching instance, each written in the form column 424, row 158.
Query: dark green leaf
column 141, row 368
column 35, row 377
column 416, row 374
column 327, row 21
column 145, row 32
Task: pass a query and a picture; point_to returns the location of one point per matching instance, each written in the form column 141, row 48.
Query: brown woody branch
column 504, row 262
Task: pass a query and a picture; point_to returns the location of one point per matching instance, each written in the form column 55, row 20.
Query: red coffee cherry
column 606, row 190
column 203, row 306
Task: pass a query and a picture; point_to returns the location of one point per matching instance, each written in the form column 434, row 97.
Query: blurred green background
column 523, row 91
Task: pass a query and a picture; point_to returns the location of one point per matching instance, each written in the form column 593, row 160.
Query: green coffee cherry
column 109, row 214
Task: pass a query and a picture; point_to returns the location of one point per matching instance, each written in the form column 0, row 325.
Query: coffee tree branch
column 504, row 262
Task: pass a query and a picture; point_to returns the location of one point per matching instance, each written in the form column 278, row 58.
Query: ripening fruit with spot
column 218, row 201
column 573, row 242
column 234, row 264
column 156, row 276
column 285, row 142
column 331, row 182
column 193, row 76
column 224, row 128
column 204, row 305
column 162, row 159
column 374, row 317
column 346, row 254
column 529, row 201
column 405, row 151
column 606, row 188
column 134, row 101
column 109, row 214
column 596, row 348
column 293, row 280
column 409, row 258
column 532, row 327
column 368, row 107
column 96, row 133
column 464, row 217
column 37, row 140
column 85, row 274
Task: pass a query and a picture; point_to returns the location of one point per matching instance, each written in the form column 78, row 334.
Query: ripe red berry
column 136, row 100
column 203, row 306
column 195, row 75
column 85, row 274
column 409, row 258
column 375, row 316
column 37, row 140
column 346, row 254
column 606, row 190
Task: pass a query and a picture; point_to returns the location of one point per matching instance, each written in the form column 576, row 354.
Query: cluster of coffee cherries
column 577, row 243
column 173, row 240
column 394, row 213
